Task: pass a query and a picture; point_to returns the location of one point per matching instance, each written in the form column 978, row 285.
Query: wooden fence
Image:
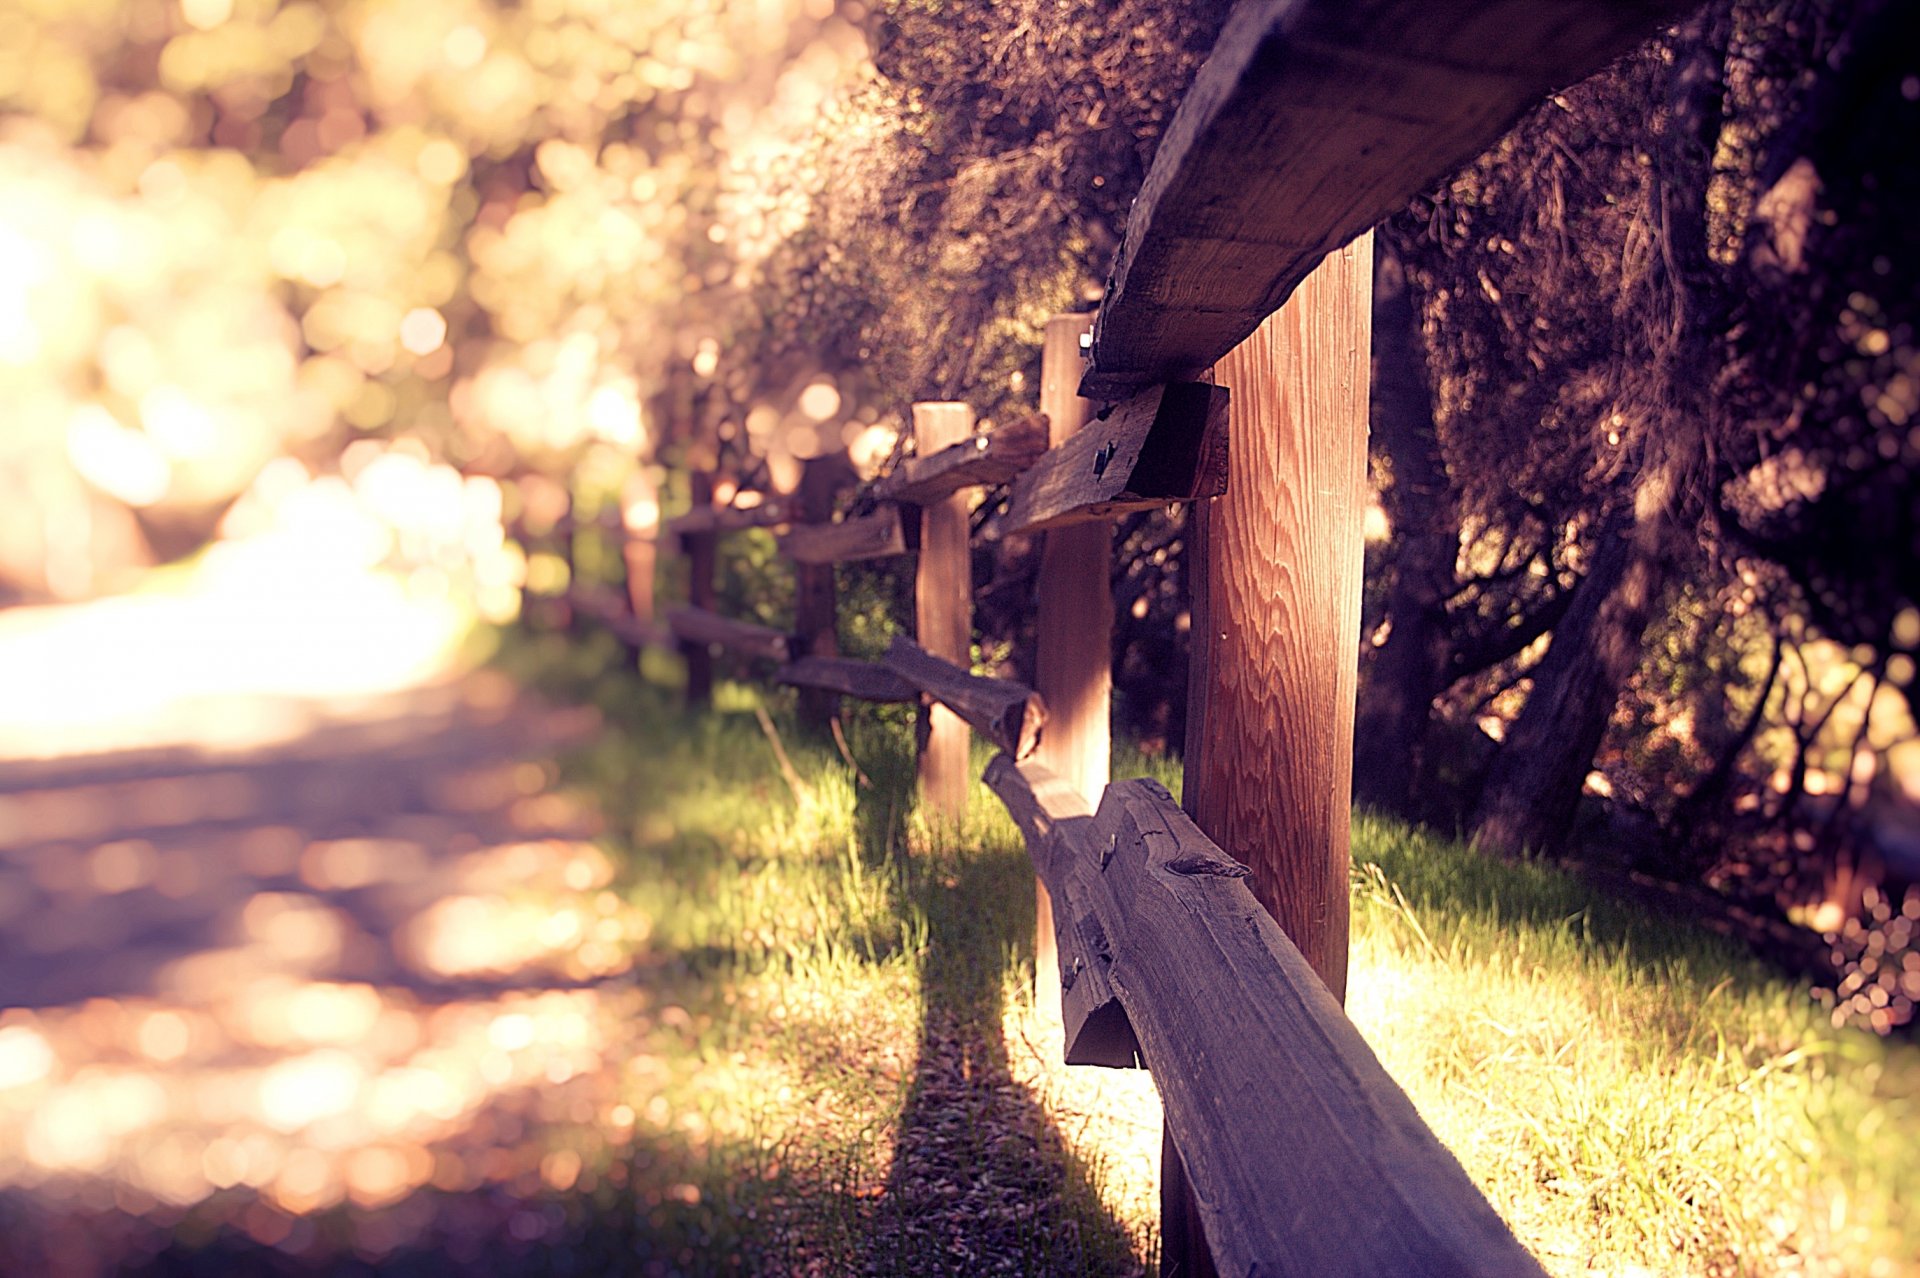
column 1226, row 367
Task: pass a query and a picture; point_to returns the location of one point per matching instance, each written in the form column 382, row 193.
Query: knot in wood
column 1197, row 864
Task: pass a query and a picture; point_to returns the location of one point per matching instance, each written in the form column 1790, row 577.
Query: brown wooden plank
column 816, row 613
column 879, row 535
column 1009, row 714
column 862, row 680
column 703, row 628
column 1073, row 631
column 1311, row 121
column 1053, row 815
column 1278, row 1105
column 943, row 609
column 1274, row 574
column 992, row 458
column 1166, row 444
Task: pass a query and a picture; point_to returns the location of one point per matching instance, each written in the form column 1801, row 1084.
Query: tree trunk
column 1409, row 670
column 1532, row 791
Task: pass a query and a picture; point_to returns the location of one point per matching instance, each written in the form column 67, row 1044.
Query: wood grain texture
column 1166, row 444
column 847, row 677
column 1277, row 1103
column 1275, row 579
column 701, row 628
column 1009, row 714
column 1073, row 633
column 880, row 535
column 992, row 458
column 1279, row 1108
column 943, row 608
column 1311, row 121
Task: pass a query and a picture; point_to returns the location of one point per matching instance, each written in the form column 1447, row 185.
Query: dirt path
column 299, row 973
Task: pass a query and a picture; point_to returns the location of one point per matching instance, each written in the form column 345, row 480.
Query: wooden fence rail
column 1164, row 951
column 1290, row 1150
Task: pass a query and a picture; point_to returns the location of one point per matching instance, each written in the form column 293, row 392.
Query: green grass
column 1633, row 1094
column 827, row 1087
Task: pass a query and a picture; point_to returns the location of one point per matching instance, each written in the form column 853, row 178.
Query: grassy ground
column 842, row 1076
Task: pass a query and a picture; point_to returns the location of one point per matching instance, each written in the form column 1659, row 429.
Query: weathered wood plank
column 1073, row 632
column 816, row 610
column 1276, row 1102
column 1274, row 572
column 943, row 609
column 862, row 680
column 1053, row 815
column 880, row 535
column 1311, row 121
column 703, row 628
column 992, row 458
column 1166, row 444
column 1009, row 714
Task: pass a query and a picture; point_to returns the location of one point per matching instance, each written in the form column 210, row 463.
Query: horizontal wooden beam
column 1009, row 714
column 862, row 680
column 1276, row 1103
column 1055, row 818
column 719, row 519
column 1166, row 444
column 697, row 625
column 613, row 612
column 1311, row 121
column 992, row 458
column 879, row 535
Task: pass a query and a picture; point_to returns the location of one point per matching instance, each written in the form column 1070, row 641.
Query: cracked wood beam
column 1009, row 714
column 862, row 680
column 703, row 627
column 1277, row 1104
column 1310, row 121
column 1166, row 444
column 992, row 458
column 881, row 535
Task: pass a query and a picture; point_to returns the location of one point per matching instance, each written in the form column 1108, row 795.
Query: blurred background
column 325, row 325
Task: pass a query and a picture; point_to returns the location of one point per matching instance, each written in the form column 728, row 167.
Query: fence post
column 815, row 608
column 1074, row 661
column 699, row 548
column 943, row 609
column 1274, row 566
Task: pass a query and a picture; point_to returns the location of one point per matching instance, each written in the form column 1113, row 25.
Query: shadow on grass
column 979, row 1180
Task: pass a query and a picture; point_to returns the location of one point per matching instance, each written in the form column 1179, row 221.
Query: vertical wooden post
column 700, row 593
column 639, row 523
column 1074, row 662
column 639, row 549
column 943, row 609
column 1275, row 570
column 567, row 542
column 815, row 608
